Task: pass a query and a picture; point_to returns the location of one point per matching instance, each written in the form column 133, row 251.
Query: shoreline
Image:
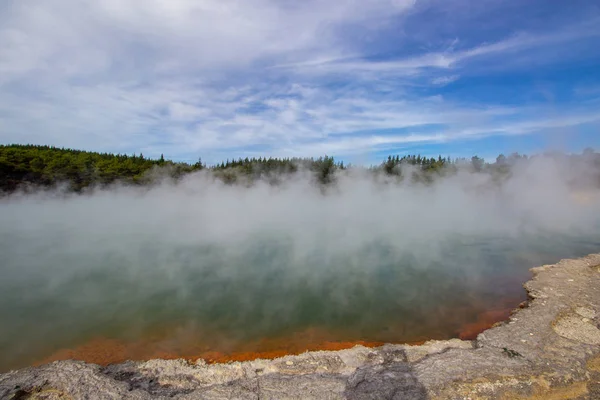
column 105, row 351
column 550, row 348
column 192, row 344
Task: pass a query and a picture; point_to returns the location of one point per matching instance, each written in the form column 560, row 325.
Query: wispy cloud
column 210, row 78
column 445, row 80
column 438, row 134
column 452, row 57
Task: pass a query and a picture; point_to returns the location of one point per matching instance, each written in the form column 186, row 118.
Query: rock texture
column 550, row 349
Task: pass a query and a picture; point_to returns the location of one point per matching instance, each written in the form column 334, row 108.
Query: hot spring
column 201, row 269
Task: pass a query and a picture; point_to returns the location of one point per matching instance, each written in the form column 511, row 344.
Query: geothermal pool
column 104, row 305
column 201, row 269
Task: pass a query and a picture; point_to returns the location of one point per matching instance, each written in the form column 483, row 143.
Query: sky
column 354, row 79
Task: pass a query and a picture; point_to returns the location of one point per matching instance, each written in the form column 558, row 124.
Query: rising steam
column 365, row 258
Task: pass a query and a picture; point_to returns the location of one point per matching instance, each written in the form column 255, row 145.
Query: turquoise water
column 55, row 294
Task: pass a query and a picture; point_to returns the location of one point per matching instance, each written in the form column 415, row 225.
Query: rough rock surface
column 547, row 350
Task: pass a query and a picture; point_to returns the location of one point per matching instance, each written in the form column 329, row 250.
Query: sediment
column 547, row 349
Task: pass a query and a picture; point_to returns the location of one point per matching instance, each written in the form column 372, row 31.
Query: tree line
column 48, row 166
column 23, row 166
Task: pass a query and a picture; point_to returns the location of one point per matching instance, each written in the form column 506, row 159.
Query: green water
column 56, row 294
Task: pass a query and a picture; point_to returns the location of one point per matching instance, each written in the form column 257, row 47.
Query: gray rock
column 395, row 381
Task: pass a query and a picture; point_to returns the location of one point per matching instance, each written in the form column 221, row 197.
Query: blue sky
column 354, row 79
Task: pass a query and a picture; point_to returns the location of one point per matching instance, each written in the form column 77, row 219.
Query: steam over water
column 216, row 267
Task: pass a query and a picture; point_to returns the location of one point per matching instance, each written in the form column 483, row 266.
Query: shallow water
column 105, row 304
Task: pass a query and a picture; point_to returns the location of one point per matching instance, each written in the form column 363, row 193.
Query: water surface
column 199, row 300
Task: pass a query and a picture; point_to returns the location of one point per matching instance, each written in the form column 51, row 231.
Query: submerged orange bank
column 104, row 351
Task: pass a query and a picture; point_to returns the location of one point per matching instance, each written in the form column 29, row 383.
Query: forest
column 33, row 166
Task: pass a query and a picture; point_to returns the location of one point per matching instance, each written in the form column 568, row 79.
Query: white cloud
column 445, row 80
column 212, row 76
column 176, row 119
column 374, row 143
column 69, row 37
column 450, row 58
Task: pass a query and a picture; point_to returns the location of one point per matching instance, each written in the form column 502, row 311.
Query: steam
column 369, row 258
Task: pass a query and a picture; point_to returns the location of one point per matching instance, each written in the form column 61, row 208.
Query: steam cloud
column 370, row 258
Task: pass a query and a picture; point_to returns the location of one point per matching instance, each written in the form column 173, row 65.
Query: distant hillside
column 23, row 166
column 48, row 166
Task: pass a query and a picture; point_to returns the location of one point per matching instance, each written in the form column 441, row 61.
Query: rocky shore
column 548, row 349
